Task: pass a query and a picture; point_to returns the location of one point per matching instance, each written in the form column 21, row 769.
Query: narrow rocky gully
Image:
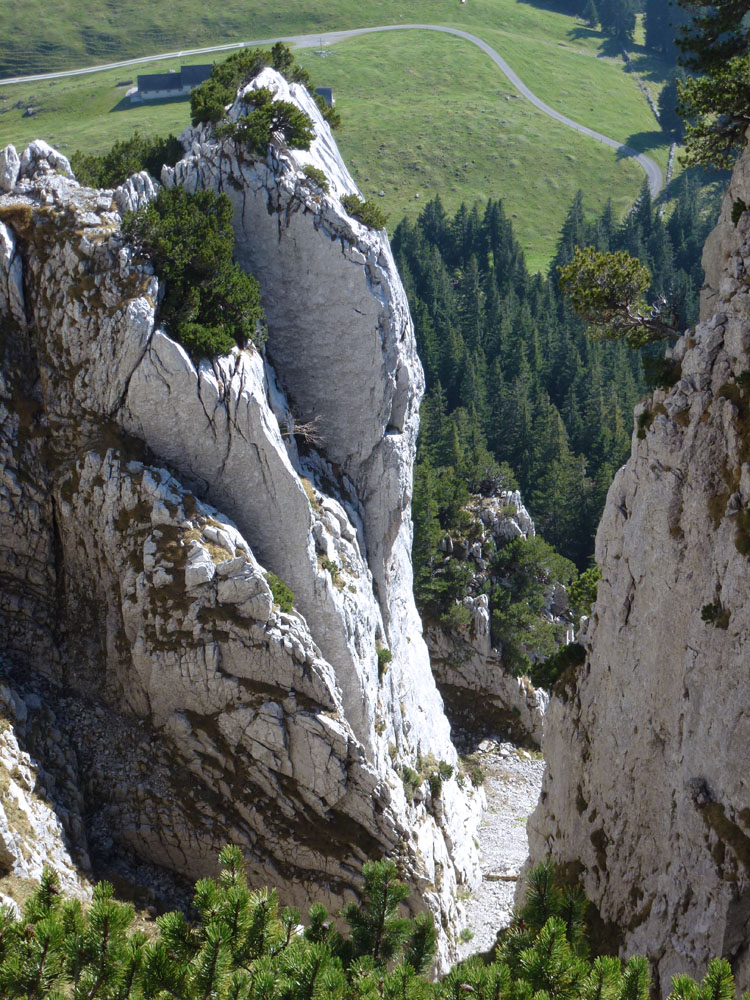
column 512, row 781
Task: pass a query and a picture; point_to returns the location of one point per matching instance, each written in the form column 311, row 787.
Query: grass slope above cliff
column 99, row 31
column 424, row 113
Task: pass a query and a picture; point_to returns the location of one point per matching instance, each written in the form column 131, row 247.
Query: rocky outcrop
column 144, row 500
column 646, row 789
column 478, row 690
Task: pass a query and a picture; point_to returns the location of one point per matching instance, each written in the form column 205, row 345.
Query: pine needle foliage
column 210, row 304
column 242, row 946
column 608, row 291
column 715, row 100
column 267, row 118
column 209, row 101
column 366, row 212
column 377, row 930
column 125, row 158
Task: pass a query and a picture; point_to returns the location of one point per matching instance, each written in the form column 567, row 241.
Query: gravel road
column 652, row 171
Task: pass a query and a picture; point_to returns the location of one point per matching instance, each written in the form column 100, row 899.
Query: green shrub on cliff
column 255, row 129
column 209, row 101
column 125, row 158
column 317, row 176
column 366, row 212
column 210, row 304
column 282, row 594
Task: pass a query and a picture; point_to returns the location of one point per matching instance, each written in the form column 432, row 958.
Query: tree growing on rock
column 210, row 304
column 608, row 291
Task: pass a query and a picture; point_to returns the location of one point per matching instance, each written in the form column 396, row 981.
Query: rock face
column 468, row 669
column 33, row 833
column 144, row 500
column 646, row 789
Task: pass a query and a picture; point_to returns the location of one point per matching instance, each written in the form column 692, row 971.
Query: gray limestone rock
column 10, row 166
column 277, row 731
column 135, row 193
column 11, row 278
column 32, row 834
column 40, row 158
column 646, row 788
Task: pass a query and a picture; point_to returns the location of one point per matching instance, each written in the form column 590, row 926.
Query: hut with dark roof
column 161, row 86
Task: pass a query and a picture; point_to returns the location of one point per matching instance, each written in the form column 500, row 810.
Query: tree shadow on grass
column 643, row 142
column 608, row 47
column 581, row 31
column 553, row 5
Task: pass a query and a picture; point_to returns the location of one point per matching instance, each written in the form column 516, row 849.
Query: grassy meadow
column 427, row 114
column 424, row 112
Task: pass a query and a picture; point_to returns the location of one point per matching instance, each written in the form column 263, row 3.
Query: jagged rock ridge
column 646, row 789
column 143, row 498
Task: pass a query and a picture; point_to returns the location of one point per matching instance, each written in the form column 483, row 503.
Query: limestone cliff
column 646, row 791
column 143, row 499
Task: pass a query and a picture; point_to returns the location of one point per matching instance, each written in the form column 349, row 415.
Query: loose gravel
column 513, row 779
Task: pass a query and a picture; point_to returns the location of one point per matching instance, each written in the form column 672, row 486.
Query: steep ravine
column 142, row 499
column 646, row 790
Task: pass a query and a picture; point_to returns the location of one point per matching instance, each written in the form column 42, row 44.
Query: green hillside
column 423, row 112
column 33, row 41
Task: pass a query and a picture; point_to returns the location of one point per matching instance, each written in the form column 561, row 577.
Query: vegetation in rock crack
column 384, row 658
column 366, row 212
column 316, row 175
column 210, row 304
column 282, row 594
column 208, row 102
column 242, row 945
column 125, row 158
column 269, row 117
column 715, row 614
column 427, row 770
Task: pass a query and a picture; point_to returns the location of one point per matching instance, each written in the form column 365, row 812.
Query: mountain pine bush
column 125, row 158
column 243, row 946
column 210, row 304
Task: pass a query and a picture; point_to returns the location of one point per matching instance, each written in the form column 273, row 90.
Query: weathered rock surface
column 143, row 499
column 467, row 667
column 646, row 789
column 35, row 828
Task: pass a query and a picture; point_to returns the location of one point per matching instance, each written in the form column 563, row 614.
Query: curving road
column 651, row 169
